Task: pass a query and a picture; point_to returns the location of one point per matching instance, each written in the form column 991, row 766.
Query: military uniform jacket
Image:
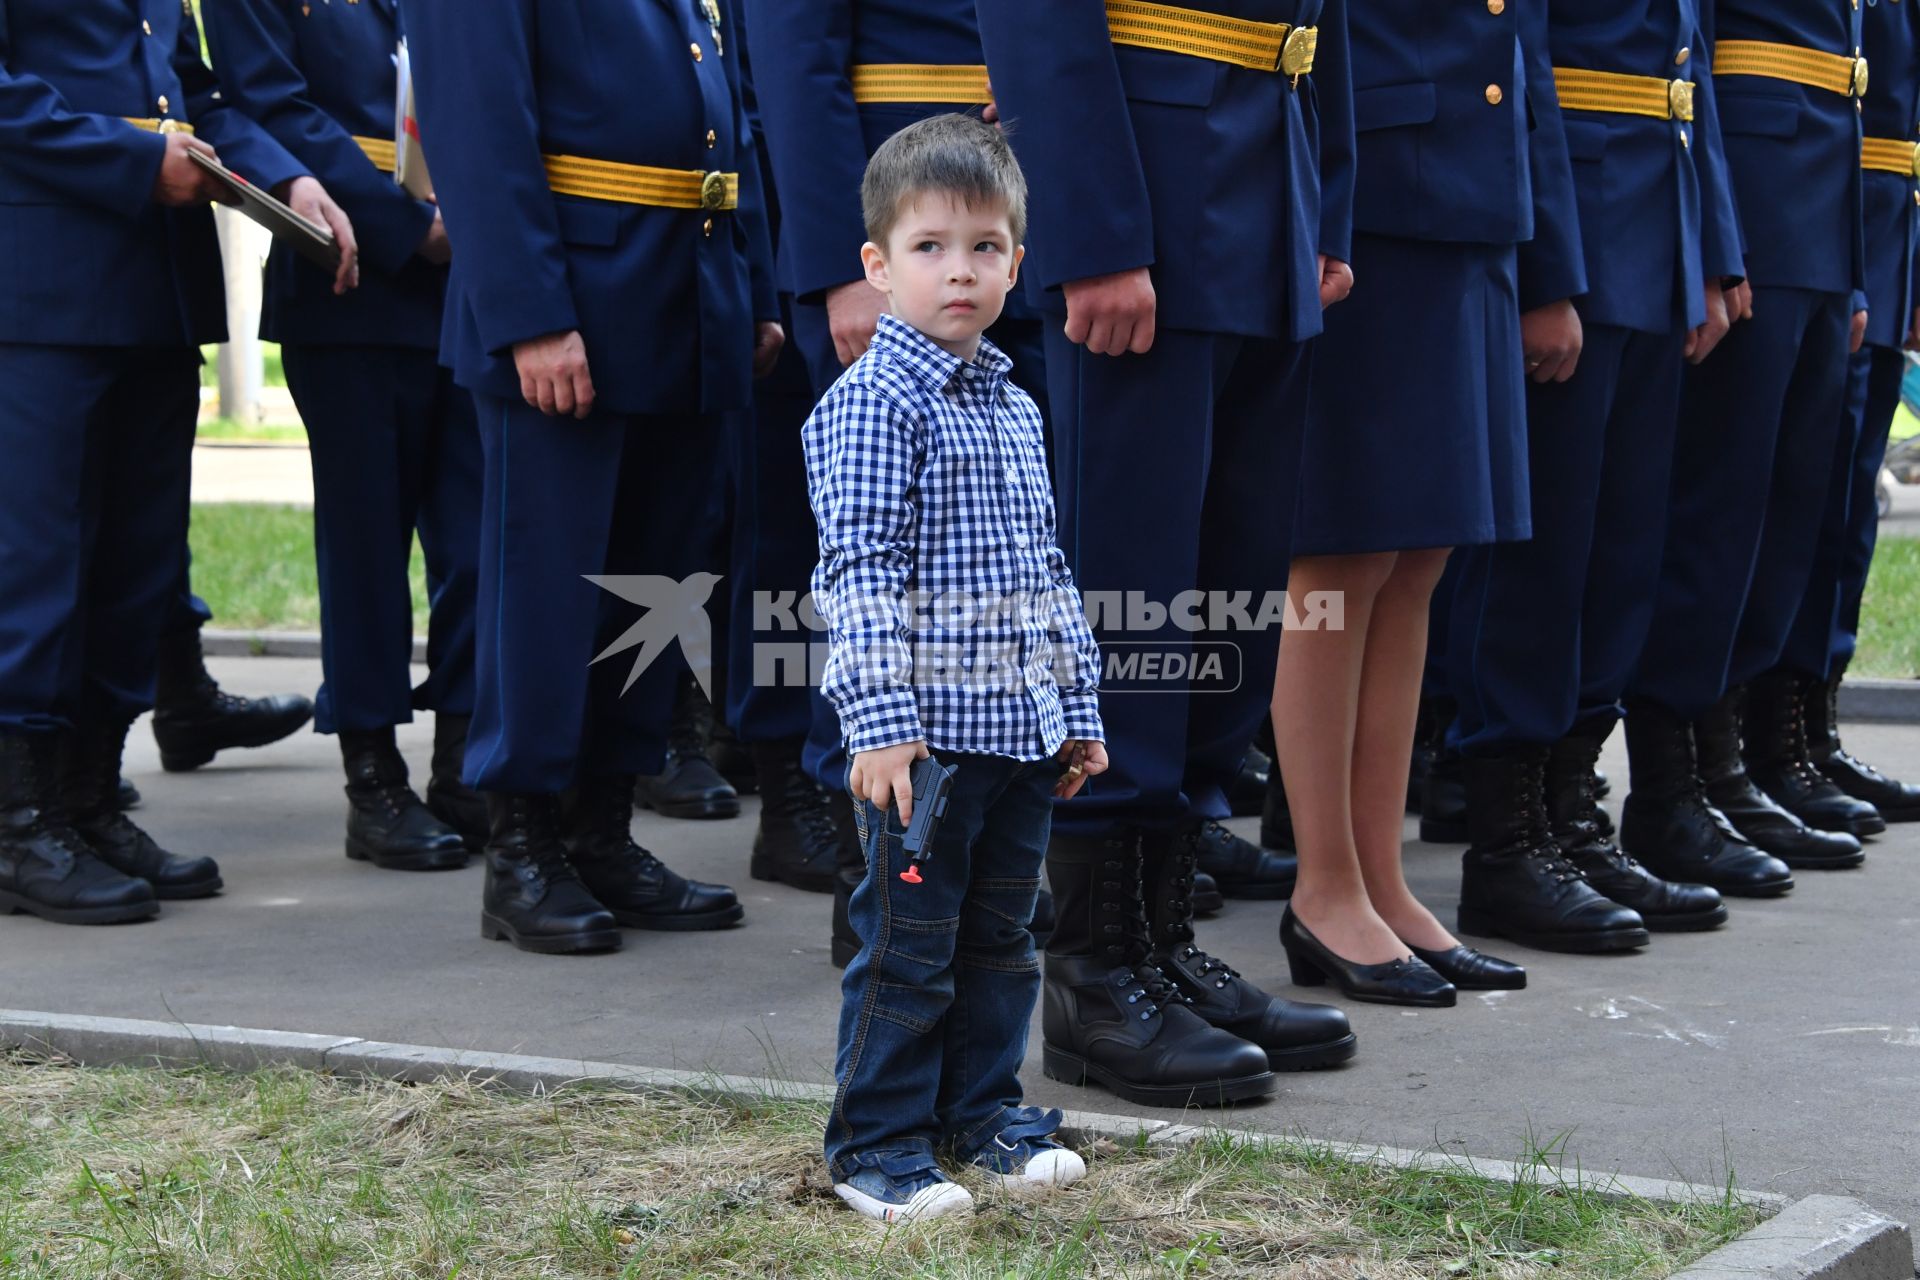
column 664, row 298
column 1890, row 37
column 1794, row 150
column 1227, row 181
column 90, row 260
column 315, row 74
column 1459, row 135
column 1656, row 201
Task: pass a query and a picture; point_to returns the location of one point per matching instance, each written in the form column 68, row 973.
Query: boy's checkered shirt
column 951, row 615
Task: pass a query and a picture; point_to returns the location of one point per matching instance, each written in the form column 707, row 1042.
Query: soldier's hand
column 1859, row 332
column 853, row 311
column 1550, row 337
column 434, row 246
column 180, row 181
column 886, row 777
column 768, row 338
column 1113, row 314
column 1739, row 302
column 1336, row 281
column 306, row 197
column 1913, row 331
column 554, row 377
column 1702, row 340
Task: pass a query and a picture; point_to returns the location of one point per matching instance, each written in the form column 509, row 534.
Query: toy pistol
column 932, row 785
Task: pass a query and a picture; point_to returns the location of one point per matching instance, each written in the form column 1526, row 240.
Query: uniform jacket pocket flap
column 586, row 223
column 1391, row 105
column 1759, row 116
column 1586, row 139
column 1151, row 76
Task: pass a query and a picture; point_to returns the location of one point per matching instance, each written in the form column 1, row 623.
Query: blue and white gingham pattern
column 928, row 476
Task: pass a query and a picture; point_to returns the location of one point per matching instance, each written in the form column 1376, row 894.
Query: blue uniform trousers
column 1545, row 632
column 394, row 450
column 1751, row 461
column 616, row 494
column 1829, row 619
column 1176, row 472
column 98, row 443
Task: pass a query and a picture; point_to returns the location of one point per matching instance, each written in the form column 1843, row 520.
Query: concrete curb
column 1815, row 1238
column 1892, row 701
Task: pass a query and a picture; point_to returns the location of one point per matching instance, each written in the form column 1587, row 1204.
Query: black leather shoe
column 1443, row 803
column 533, row 898
column 1780, row 760
column 1429, row 740
column 688, row 785
column 126, row 795
column 1109, row 1016
column 46, row 868
column 1895, row 801
column 1471, row 970
column 732, row 759
column 194, row 719
column 1515, row 883
column 1573, row 810
column 1207, row 898
column 1276, row 819
column 1667, row 823
column 448, row 797
column 1248, row 793
column 1241, row 868
column 1764, row 824
column 387, row 824
column 850, row 868
column 1407, row 981
column 89, row 797
column 1297, row 1037
column 641, row 891
column 797, row 838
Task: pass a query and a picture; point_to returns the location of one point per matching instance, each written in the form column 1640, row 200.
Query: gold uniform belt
column 1258, row 46
column 643, row 184
column 920, row 82
column 1834, row 72
column 382, row 151
column 158, row 126
column 1583, row 90
column 1890, row 155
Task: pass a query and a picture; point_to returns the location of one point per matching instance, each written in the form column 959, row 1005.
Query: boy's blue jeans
column 934, row 1009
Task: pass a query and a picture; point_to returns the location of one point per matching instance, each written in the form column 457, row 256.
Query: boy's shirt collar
column 895, row 339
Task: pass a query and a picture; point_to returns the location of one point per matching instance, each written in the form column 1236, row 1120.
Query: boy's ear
column 1019, row 256
column 874, row 258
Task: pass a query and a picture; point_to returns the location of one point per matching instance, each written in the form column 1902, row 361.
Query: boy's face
column 946, row 269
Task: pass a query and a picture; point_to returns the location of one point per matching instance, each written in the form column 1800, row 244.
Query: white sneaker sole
column 938, row 1201
column 1049, row 1171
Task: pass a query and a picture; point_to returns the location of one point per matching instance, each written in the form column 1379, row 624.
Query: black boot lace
column 1129, row 943
column 1530, row 801
column 1798, row 757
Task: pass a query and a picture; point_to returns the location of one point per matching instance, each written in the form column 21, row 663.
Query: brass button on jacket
column 1494, row 95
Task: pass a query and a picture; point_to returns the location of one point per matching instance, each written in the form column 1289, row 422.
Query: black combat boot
column 387, row 824
column 1516, row 883
column 1780, row 757
column 641, row 891
column 688, row 786
column 451, row 799
column 193, row 718
column 1896, row 801
column 798, row 839
column 1207, row 898
column 89, row 799
column 850, row 868
column 126, row 795
column 1667, row 823
column 1276, row 819
column 1443, row 801
column 732, row 759
column 1429, row 740
column 533, row 897
column 1248, row 792
column 46, row 869
column 1111, row 1018
column 1571, row 806
column 1761, row 822
column 1240, row 867
column 1297, row 1037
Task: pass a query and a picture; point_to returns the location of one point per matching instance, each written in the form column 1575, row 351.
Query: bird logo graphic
column 673, row 609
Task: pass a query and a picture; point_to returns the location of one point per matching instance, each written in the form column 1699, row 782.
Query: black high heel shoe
column 1471, row 970
column 1408, row 980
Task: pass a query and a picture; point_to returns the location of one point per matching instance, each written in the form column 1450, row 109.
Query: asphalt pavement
column 1784, row 1048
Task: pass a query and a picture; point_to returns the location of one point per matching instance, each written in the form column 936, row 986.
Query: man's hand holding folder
column 298, row 211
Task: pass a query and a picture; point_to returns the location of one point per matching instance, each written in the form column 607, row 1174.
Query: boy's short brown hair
column 959, row 155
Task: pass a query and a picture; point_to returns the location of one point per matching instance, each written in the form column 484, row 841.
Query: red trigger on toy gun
column 932, row 783
column 912, row 874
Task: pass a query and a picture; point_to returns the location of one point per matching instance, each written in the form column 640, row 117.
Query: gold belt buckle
column 713, row 190
column 1858, row 87
column 1680, row 100
column 1296, row 55
column 1915, row 167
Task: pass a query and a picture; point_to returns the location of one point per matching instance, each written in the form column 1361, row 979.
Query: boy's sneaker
column 1030, row 1163
column 911, row 1197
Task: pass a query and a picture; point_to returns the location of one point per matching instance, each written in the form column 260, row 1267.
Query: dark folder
column 305, row 237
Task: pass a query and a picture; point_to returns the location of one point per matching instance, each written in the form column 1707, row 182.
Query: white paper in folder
column 410, row 161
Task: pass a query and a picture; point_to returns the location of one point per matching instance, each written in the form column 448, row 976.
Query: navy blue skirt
column 1417, row 424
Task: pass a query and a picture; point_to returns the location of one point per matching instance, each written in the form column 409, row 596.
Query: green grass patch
column 228, row 429
column 285, row 1175
column 253, row 564
column 274, row 373
column 1889, row 643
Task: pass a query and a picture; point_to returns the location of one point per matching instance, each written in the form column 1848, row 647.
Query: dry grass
column 284, row 1175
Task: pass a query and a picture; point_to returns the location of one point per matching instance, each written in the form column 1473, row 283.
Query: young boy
column 953, row 625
